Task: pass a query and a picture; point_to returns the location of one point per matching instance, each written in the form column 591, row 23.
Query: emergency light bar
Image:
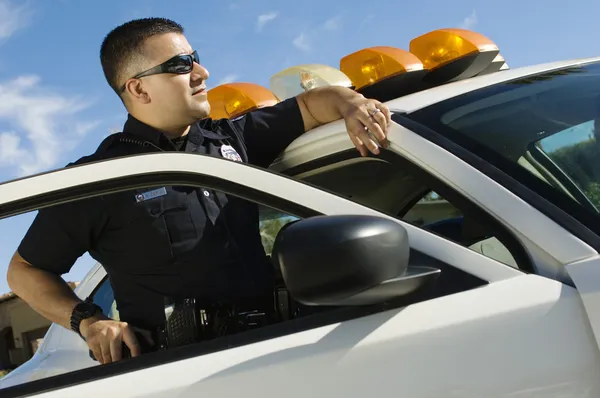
column 235, row 99
column 382, row 72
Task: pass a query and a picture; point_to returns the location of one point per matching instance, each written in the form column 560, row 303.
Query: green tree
column 269, row 230
column 581, row 163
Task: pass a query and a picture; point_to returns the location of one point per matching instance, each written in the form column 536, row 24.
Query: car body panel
column 499, row 340
column 586, row 277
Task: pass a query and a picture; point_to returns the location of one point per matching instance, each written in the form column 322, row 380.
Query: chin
column 202, row 112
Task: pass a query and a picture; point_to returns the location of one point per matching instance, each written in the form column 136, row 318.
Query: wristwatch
column 83, row 311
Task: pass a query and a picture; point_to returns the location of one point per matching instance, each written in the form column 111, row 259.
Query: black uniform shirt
column 173, row 241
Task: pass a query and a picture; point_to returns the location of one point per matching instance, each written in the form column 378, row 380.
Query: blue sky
column 55, row 105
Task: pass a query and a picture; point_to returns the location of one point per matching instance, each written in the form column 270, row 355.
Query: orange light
column 235, row 99
column 373, row 64
column 440, row 47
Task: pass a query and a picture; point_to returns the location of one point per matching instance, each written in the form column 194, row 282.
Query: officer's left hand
column 363, row 115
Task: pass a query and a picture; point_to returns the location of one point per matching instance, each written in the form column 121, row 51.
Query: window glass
column 105, row 298
column 571, row 156
column 431, row 208
column 540, row 129
column 438, row 215
column 138, row 236
column 271, row 222
column 400, row 189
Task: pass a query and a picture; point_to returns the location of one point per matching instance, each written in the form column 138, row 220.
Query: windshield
column 540, row 129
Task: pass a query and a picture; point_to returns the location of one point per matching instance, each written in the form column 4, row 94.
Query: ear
column 135, row 89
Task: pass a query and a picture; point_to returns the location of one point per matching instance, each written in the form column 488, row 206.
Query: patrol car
column 488, row 284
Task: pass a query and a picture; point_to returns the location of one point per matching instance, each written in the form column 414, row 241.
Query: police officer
column 170, row 241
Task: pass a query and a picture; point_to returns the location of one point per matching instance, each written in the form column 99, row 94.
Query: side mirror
column 347, row 260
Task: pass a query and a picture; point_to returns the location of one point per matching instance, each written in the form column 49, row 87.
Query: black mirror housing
column 347, row 260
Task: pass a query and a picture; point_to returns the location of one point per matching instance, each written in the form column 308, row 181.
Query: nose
column 200, row 72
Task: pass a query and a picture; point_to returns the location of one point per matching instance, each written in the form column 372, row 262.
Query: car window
column 401, row 189
column 436, row 214
column 571, row 156
column 431, row 209
column 543, row 130
column 271, row 221
column 105, row 298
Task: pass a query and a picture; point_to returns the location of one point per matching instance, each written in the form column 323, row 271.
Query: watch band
column 83, row 311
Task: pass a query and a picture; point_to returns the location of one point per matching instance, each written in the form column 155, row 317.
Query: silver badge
column 150, row 194
column 228, row 152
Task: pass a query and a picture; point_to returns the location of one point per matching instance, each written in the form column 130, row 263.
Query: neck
column 173, row 133
column 170, row 131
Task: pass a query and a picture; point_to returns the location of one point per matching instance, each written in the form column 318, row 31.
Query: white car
column 495, row 295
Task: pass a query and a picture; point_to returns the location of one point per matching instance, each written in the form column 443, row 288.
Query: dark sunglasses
column 179, row 64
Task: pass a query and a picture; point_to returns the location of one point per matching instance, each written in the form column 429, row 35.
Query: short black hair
column 121, row 48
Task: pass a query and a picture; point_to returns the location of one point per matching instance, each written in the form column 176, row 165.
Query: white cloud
column 334, row 23
column 263, row 19
column 228, row 79
column 13, row 17
column 42, row 125
column 470, row 21
column 301, row 42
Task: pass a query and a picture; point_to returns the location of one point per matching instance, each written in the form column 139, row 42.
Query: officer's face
column 174, row 99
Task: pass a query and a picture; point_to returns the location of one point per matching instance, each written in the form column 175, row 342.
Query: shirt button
column 206, row 193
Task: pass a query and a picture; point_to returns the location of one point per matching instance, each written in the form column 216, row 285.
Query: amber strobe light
column 454, row 54
column 235, row 99
column 371, row 65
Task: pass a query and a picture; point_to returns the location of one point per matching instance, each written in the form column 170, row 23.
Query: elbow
column 14, row 274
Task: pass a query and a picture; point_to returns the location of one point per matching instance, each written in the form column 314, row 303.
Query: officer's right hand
column 105, row 336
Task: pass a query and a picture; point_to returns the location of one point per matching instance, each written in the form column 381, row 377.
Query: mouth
column 199, row 91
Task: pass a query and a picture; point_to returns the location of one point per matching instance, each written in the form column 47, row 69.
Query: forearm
column 324, row 104
column 46, row 293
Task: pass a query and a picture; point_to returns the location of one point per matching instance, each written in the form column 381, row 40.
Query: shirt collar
column 149, row 133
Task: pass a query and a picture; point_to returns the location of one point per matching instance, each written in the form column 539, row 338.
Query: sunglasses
column 179, row 64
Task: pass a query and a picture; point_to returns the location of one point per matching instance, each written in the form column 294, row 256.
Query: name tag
column 155, row 193
column 228, row 152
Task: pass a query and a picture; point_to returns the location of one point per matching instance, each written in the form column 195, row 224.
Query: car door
column 485, row 329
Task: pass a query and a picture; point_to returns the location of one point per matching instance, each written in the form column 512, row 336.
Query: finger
column 131, row 341
column 116, row 349
column 370, row 143
column 97, row 354
column 354, row 128
column 386, row 113
column 105, row 349
column 373, row 126
column 380, row 118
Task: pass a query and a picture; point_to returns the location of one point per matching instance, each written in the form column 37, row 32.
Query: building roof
column 10, row 295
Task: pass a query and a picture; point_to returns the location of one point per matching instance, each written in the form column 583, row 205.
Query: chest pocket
column 150, row 227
